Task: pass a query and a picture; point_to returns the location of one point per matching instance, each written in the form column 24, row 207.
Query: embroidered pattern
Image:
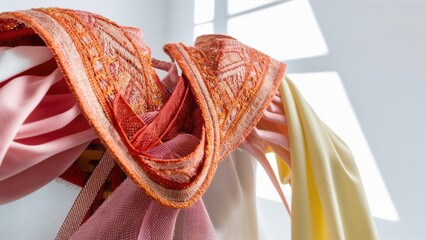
column 240, row 82
column 115, row 63
column 170, row 149
column 238, row 72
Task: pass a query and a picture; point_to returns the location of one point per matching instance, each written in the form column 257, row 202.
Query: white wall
column 367, row 55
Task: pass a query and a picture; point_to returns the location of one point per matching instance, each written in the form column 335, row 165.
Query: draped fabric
column 231, row 198
column 42, row 130
column 328, row 199
column 130, row 214
column 168, row 136
column 271, row 134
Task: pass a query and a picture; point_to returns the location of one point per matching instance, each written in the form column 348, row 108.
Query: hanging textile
column 168, row 136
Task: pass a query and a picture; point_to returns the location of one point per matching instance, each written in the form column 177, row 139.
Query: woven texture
column 130, row 214
column 86, row 197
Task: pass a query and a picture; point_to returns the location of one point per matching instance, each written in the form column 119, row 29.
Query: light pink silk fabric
column 42, row 131
column 268, row 132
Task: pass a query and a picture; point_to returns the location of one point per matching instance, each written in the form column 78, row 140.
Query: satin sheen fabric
column 42, row 129
column 328, row 199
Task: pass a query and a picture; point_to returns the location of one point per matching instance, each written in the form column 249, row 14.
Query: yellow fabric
column 328, row 199
column 284, row 171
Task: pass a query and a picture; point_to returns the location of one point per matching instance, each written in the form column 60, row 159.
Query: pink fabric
column 194, row 223
column 130, row 214
column 42, row 130
column 18, row 60
column 271, row 131
column 268, row 132
column 87, row 196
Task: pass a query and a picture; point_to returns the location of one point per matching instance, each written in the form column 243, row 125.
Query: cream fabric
column 328, row 200
column 231, row 198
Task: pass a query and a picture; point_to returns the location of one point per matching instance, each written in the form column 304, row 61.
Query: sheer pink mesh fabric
column 130, row 214
column 194, row 223
column 180, row 145
column 119, row 217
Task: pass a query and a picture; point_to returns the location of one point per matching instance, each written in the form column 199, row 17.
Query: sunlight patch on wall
column 284, row 31
column 203, row 11
column 238, row 6
column 203, row 17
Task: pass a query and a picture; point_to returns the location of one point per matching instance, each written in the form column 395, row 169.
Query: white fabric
column 231, row 198
column 20, row 59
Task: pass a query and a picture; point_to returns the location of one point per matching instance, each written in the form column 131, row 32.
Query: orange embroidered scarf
column 226, row 87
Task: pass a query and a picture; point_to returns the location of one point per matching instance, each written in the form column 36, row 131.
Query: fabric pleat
column 194, row 223
column 270, row 134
